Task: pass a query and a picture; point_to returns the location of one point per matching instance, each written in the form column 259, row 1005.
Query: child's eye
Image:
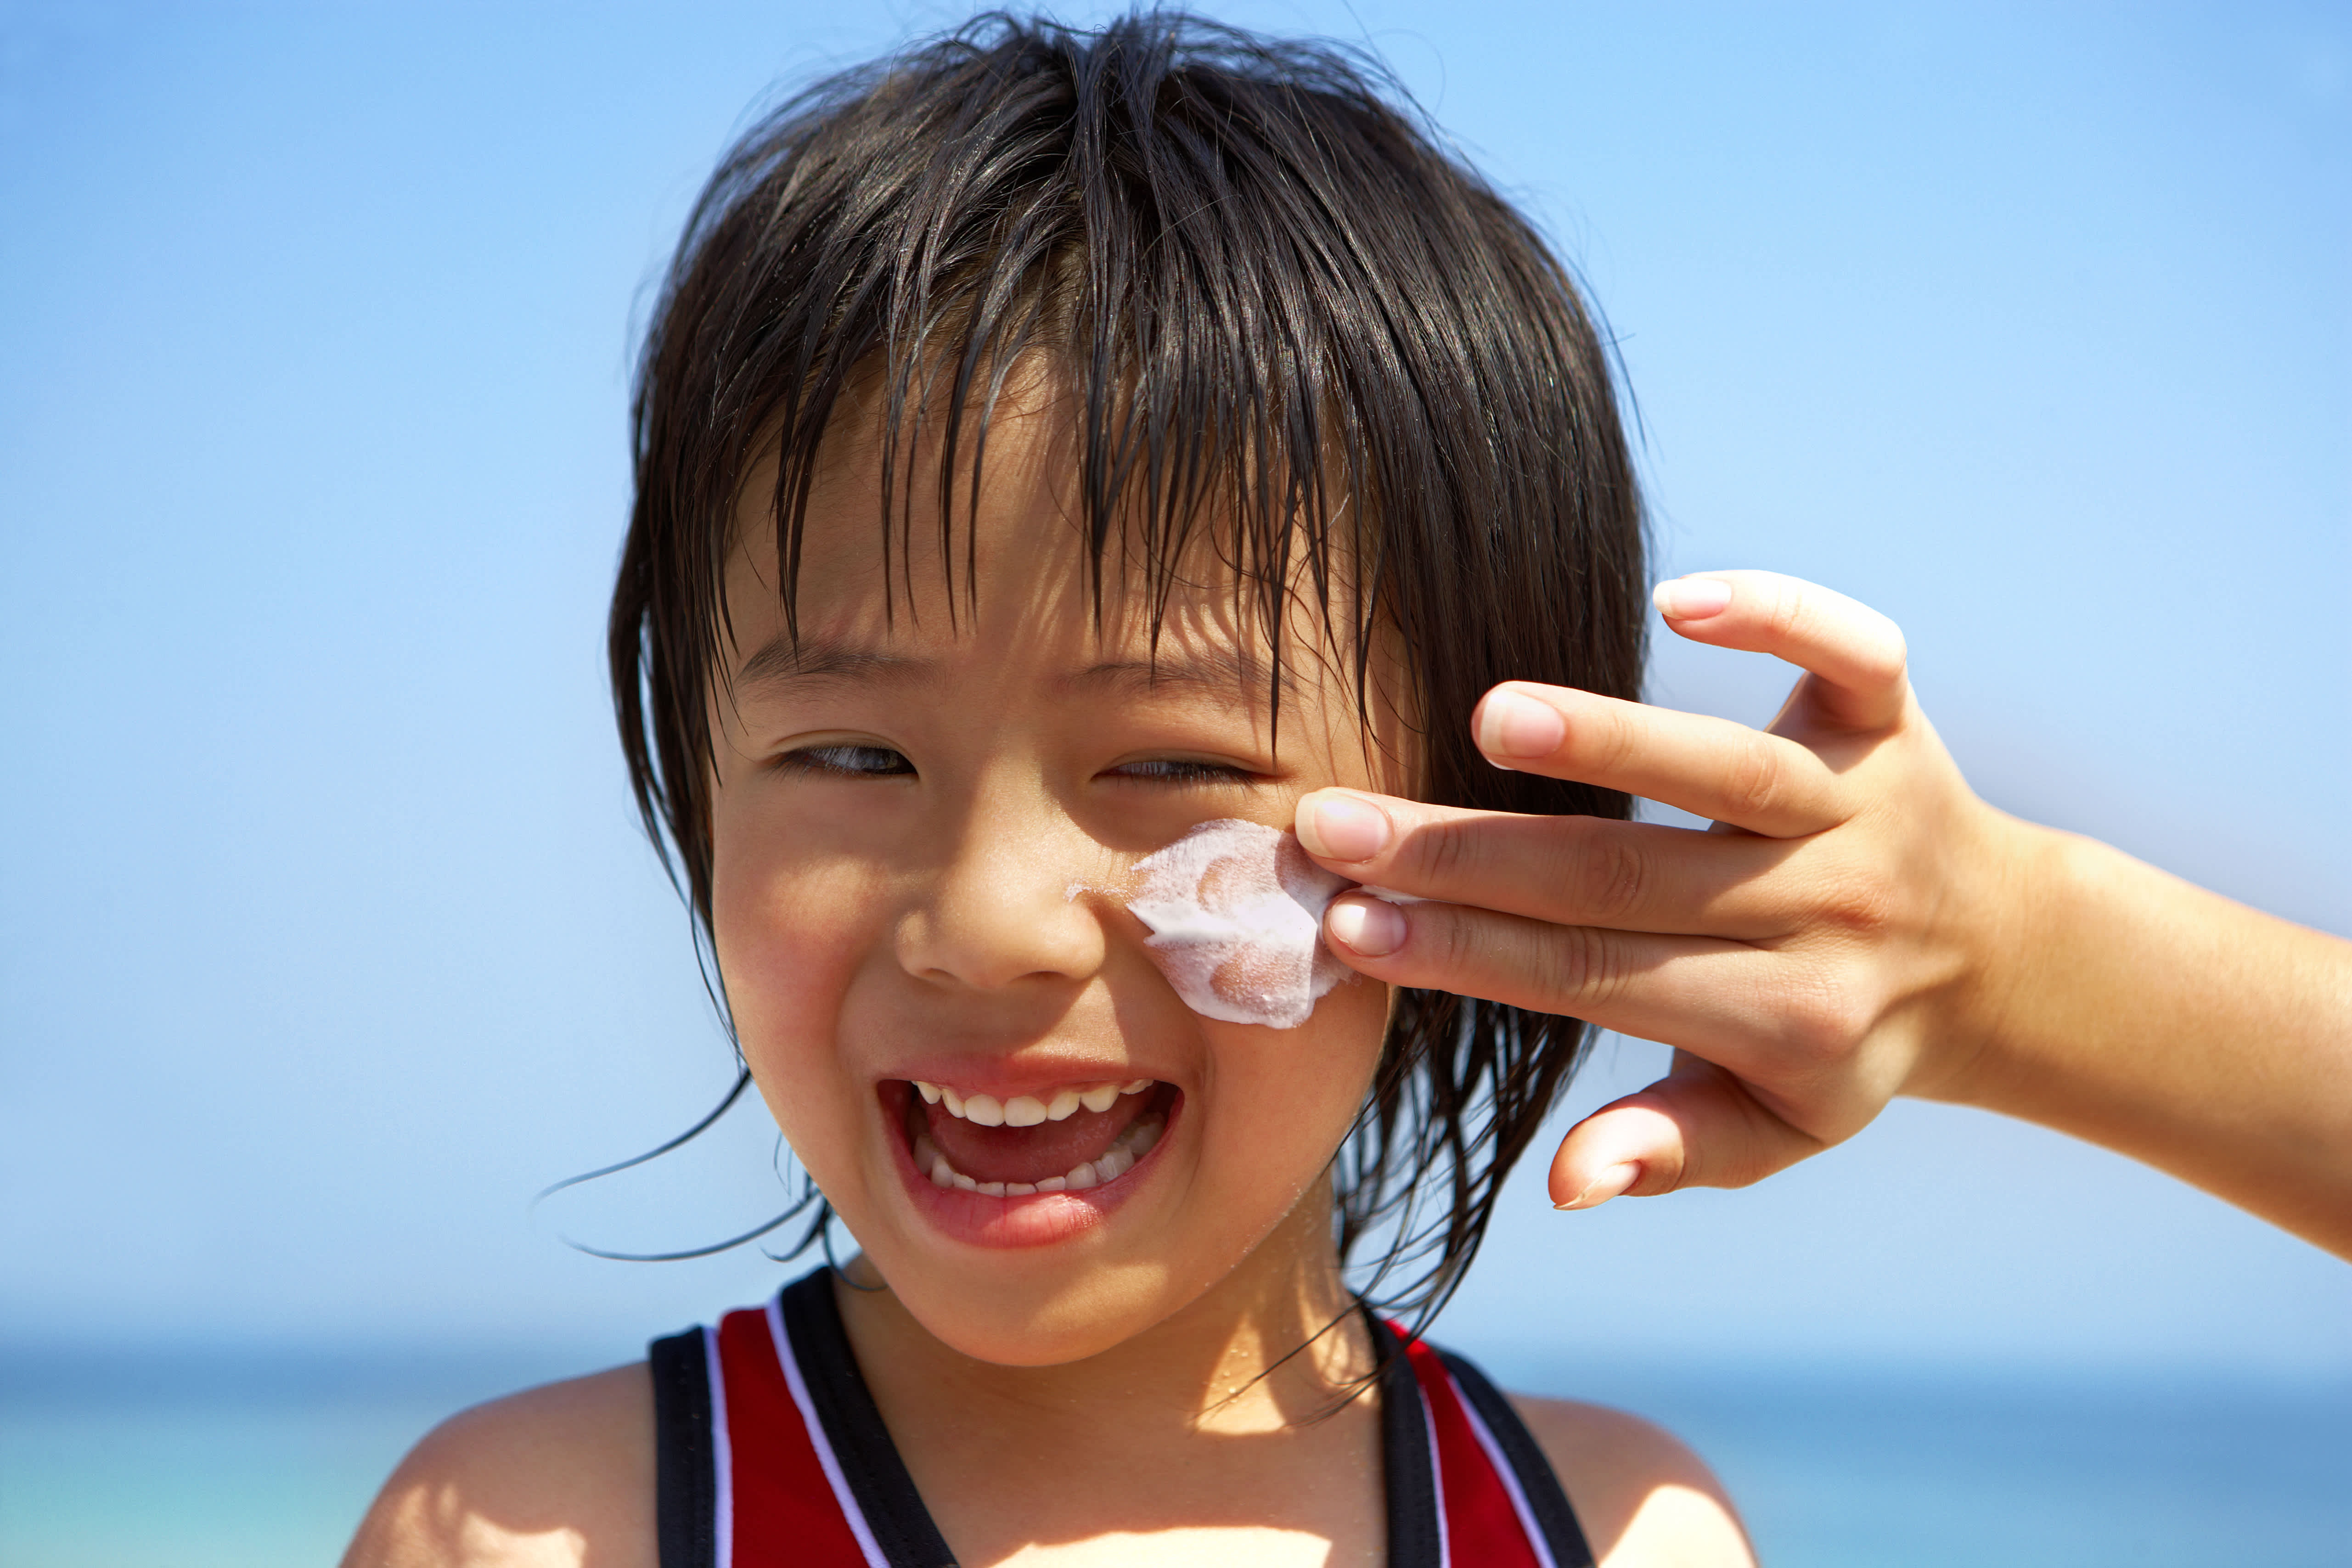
column 1182, row 770
column 848, row 761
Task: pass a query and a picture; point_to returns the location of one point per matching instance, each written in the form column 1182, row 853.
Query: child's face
column 920, row 822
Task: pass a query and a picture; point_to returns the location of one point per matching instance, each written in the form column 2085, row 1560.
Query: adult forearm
column 2173, row 1025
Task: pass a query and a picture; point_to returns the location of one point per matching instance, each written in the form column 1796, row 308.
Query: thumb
column 1698, row 1126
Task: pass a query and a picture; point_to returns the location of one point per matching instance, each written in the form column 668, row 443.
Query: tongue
column 1029, row 1154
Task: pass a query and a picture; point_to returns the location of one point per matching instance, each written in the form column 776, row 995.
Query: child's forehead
column 1031, row 608
column 1001, row 561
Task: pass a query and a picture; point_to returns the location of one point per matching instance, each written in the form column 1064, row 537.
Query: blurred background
column 327, row 936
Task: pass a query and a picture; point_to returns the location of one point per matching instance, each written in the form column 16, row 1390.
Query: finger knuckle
column 1752, row 786
column 1667, row 1167
column 1460, row 951
column 1743, row 1165
column 1611, row 744
column 1760, row 1153
column 1446, row 854
column 1889, row 657
column 1786, row 614
column 1861, row 907
column 1609, row 877
column 1823, row 1019
column 1578, row 964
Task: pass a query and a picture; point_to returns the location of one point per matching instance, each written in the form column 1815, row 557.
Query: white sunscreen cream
column 1236, row 911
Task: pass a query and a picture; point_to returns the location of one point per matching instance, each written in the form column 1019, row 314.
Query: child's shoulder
column 1642, row 1495
column 559, row 1475
column 563, row 1475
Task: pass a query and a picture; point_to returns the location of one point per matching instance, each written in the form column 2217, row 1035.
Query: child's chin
column 1051, row 1320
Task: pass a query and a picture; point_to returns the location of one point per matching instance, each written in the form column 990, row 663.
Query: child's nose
column 1002, row 909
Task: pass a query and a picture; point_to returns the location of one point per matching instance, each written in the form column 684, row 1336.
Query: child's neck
column 1277, row 1343
column 1207, row 1422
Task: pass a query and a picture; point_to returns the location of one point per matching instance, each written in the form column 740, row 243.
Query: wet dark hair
column 1295, row 331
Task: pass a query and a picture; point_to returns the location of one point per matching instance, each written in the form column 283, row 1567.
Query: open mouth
column 1072, row 1138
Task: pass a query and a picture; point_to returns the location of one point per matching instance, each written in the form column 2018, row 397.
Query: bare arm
column 1858, row 924
column 2169, row 1023
column 559, row 1477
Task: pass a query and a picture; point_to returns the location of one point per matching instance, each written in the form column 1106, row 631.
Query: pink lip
column 1033, row 1219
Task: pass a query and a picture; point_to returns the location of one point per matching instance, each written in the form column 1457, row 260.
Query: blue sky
column 326, row 937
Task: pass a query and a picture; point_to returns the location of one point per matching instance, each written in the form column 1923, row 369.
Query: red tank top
column 771, row 1452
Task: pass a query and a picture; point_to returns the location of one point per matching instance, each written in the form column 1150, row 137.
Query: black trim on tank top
column 1408, row 1467
column 686, row 1473
column 1538, row 1482
column 902, row 1526
column 685, row 1476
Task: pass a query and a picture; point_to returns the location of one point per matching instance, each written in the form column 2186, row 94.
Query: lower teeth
column 1112, row 1163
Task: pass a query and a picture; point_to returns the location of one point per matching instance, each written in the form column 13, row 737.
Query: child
column 1056, row 456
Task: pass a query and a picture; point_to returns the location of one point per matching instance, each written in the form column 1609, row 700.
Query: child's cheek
column 1282, row 1100
column 1236, row 912
column 791, row 932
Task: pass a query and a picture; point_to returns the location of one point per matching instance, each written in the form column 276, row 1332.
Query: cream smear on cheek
column 1236, row 911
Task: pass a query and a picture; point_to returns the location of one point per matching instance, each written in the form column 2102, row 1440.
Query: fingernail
column 1366, row 926
column 1608, row 1184
column 1512, row 723
column 1692, row 597
column 1342, row 828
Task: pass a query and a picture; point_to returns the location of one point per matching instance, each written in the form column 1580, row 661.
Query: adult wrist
column 2012, row 933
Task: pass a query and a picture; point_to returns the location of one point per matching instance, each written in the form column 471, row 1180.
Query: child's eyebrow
column 1206, row 669
column 782, row 661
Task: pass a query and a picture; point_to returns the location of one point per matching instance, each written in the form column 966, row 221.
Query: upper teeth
column 1027, row 1110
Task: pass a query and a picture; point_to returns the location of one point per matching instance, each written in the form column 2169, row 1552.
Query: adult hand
column 1812, row 955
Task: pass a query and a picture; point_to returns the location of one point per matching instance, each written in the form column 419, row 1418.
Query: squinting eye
column 848, row 761
column 1178, row 770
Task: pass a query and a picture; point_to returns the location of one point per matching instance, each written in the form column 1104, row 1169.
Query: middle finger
column 1567, row 871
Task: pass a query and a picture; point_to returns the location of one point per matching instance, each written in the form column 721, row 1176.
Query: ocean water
column 218, row 1459
column 215, row 1458
column 1916, row 1468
